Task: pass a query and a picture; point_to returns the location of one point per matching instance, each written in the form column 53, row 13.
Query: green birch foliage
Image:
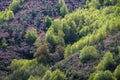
column 58, row 75
column 106, row 62
column 14, row 6
column 31, row 35
column 88, row 53
column 47, row 75
column 63, row 8
column 102, row 75
column 117, row 72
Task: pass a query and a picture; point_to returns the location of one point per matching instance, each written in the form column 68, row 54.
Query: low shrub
column 55, row 75
column 106, row 62
column 31, row 35
column 42, row 50
column 102, row 75
column 60, row 50
column 48, row 21
column 58, row 75
column 14, row 6
column 88, row 53
column 117, row 72
column 63, row 8
column 4, row 43
column 47, row 75
column 23, row 69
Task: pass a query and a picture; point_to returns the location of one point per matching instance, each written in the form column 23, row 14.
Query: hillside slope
column 56, row 40
column 30, row 13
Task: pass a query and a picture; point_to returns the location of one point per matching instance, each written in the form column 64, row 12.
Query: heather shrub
column 42, row 50
column 88, row 53
column 60, row 50
column 42, row 53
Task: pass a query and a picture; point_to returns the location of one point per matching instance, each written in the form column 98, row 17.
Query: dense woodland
column 59, row 39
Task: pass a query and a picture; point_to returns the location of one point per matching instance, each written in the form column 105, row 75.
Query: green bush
column 84, row 31
column 55, row 75
column 60, row 50
column 58, row 75
column 117, row 72
column 6, row 15
column 37, row 42
column 106, row 62
column 54, row 35
column 117, row 11
column 42, row 50
column 42, row 59
column 70, row 31
column 23, row 69
column 63, row 8
column 118, row 50
column 93, row 3
column 34, row 78
column 42, row 53
column 31, row 35
column 4, row 43
column 47, row 75
column 88, row 53
column 48, row 21
column 102, row 75
column 14, row 6
column 101, row 23
column 9, row 14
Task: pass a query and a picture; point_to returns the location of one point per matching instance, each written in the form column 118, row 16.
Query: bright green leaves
column 4, row 43
column 55, row 75
column 102, row 75
column 55, row 34
column 23, row 69
column 58, row 75
column 31, row 35
column 88, row 53
column 63, row 8
column 48, row 21
column 106, row 62
column 117, row 72
column 14, row 5
column 6, row 15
